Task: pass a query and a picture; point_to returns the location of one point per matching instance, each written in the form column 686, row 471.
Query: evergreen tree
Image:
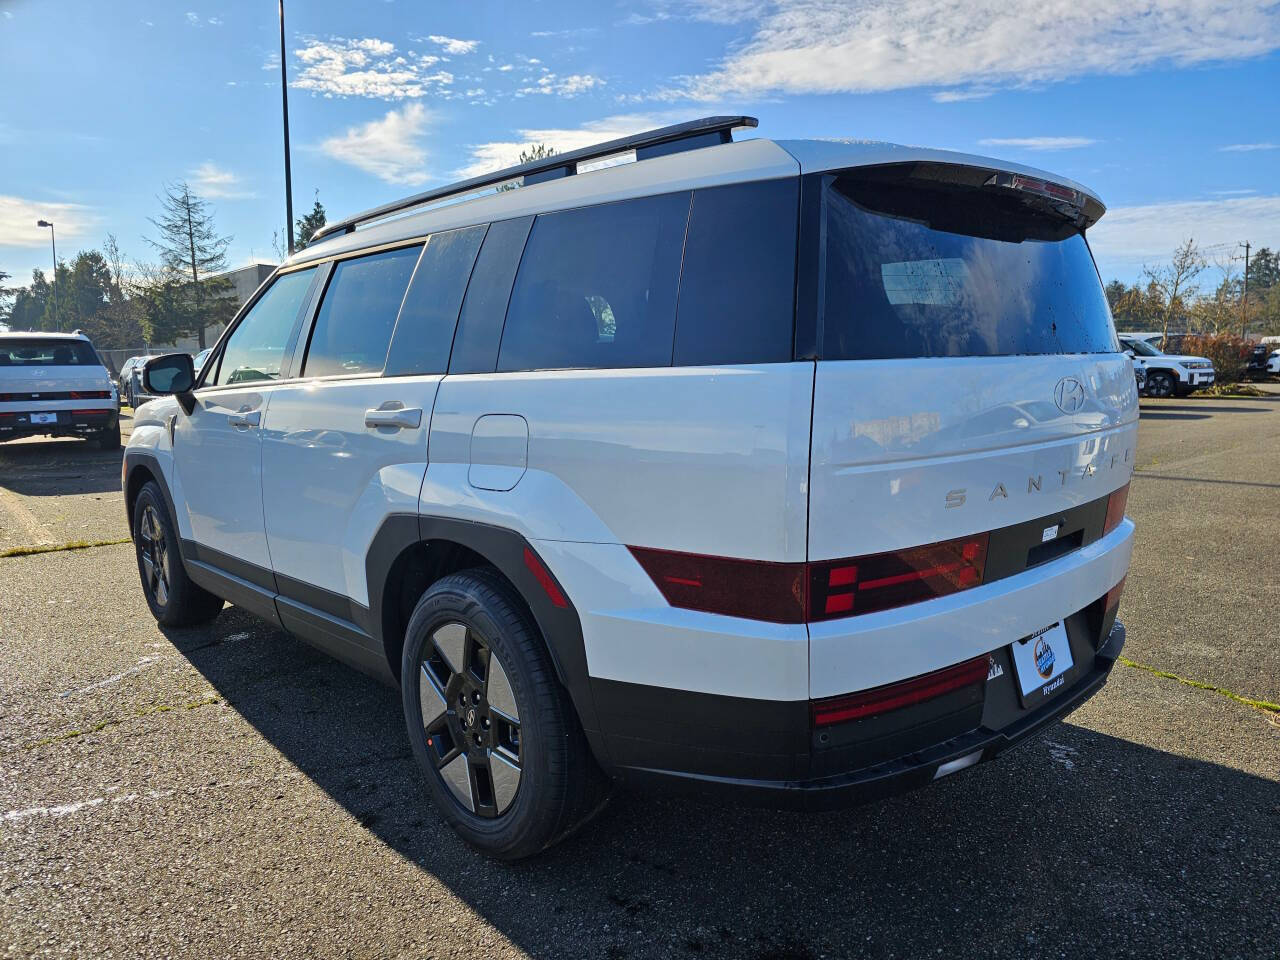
column 308, row 225
column 190, row 251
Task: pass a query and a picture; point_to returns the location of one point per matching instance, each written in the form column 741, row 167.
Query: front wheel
column 495, row 733
column 175, row 600
column 1160, row 384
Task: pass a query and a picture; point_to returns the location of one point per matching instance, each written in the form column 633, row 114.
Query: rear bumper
column 908, row 770
column 69, row 423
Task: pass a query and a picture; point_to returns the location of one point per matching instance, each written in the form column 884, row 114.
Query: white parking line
column 145, row 663
column 64, row 809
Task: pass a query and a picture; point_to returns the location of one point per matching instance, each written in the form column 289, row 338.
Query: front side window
column 1141, row 348
column 354, row 324
column 597, row 287
column 918, row 268
column 256, row 348
column 46, row 352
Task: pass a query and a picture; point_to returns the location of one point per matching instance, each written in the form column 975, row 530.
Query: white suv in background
column 54, row 385
column 754, row 468
column 1168, row 374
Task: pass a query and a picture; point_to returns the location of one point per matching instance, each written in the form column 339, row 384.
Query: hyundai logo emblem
column 1069, row 394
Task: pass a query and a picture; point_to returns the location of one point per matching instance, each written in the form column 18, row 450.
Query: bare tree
column 1175, row 282
column 190, row 250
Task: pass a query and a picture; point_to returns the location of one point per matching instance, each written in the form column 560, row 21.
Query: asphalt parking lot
column 227, row 791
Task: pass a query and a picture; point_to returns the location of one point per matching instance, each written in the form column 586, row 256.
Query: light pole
column 284, row 99
column 53, row 242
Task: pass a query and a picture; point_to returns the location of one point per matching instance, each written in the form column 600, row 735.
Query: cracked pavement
column 227, row 791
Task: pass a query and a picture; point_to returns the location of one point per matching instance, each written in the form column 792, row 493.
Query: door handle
column 246, row 420
column 393, row 414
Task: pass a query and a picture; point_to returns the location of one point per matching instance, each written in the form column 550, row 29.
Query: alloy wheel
column 471, row 720
column 155, row 556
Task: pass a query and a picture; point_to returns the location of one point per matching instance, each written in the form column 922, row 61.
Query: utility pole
column 284, row 97
column 1244, row 299
column 53, row 242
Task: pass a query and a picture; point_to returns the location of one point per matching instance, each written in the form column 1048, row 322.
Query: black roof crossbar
column 706, row 132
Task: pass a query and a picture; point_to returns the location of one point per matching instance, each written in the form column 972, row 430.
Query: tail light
column 89, row 395
column 882, row 581
column 805, row 592
column 1116, row 503
column 895, row 696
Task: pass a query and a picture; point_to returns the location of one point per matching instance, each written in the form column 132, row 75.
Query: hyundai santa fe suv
column 54, row 385
column 787, row 471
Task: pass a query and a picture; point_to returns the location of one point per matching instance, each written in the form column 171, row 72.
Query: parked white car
column 54, row 384
column 753, row 468
column 1168, row 374
column 1273, row 362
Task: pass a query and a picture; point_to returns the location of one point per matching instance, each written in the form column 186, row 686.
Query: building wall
column 244, row 282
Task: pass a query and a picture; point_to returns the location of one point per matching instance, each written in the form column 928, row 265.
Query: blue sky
column 1168, row 108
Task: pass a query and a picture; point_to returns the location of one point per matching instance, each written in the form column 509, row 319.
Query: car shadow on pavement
column 1079, row 843
column 58, row 468
column 1169, row 415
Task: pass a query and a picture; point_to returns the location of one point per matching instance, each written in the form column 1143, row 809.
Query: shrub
column 1230, row 355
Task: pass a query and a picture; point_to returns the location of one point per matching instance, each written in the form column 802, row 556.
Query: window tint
column 475, row 346
column 50, row 352
column 424, row 332
column 255, row 350
column 353, row 326
column 737, row 288
column 915, row 269
column 597, row 287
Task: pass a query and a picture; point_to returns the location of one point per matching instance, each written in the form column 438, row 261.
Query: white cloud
column 1039, row 143
column 570, row 86
column 193, row 18
column 1249, row 147
column 1232, row 193
column 18, row 217
column 858, row 46
column 1131, row 236
column 958, row 96
column 454, row 46
column 366, row 67
column 486, row 157
column 210, row 180
column 390, row 149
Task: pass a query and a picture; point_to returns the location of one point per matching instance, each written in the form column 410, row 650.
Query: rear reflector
column 886, row 580
column 544, row 578
column 1116, row 503
column 896, row 696
column 1112, row 599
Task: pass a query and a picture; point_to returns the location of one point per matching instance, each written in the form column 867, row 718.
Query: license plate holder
column 1041, row 663
column 44, row 418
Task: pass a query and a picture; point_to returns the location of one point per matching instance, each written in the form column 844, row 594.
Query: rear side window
column 919, row 269
column 353, row 326
column 475, row 345
column 597, row 287
column 737, row 289
column 255, row 350
column 424, row 331
column 41, row 352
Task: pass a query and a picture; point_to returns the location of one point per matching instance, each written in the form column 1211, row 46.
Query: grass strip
column 55, row 547
column 144, row 712
column 1266, row 706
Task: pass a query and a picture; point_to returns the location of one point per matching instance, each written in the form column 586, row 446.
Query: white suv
column 767, row 469
column 54, row 385
column 1168, row 374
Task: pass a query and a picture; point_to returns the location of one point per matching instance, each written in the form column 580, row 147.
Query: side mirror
column 173, row 374
column 1129, row 354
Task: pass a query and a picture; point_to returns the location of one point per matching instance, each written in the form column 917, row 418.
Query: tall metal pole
column 53, row 242
column 284, row 97
column 1244, row 299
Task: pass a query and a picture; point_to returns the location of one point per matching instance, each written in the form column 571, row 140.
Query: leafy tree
column 190, row 251
column 308, row 225
column 1174, row 283
column 31, row 305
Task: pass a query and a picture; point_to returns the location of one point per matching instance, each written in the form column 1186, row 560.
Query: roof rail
column 706, row 132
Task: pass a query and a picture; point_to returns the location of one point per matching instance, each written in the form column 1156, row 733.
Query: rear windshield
column 41, row 352
column 915, row 269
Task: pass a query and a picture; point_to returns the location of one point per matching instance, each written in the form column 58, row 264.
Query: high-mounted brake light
column 1037, row 186
column 1116, row 503
column 895, row 696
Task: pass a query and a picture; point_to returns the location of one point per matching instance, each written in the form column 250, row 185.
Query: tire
column 1160, row 384
column 507, row 762
column 175, row 601
column 109, row 439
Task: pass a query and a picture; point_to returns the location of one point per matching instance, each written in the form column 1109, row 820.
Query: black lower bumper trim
column 895, row 776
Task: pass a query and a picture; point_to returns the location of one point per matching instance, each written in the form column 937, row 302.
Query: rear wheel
column 1160, row 384
column 492, row 728
column 175, row 600
column 109, row 439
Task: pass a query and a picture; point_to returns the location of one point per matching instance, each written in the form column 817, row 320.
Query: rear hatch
column 43, row 373
column 969, row 377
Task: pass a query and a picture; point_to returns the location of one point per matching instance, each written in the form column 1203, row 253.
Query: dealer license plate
column 44, row 418
column 1040, row 661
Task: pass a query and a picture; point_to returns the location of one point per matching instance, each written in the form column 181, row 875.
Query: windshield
column 46, row 352
column 921, row 269
column 1141, row 348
